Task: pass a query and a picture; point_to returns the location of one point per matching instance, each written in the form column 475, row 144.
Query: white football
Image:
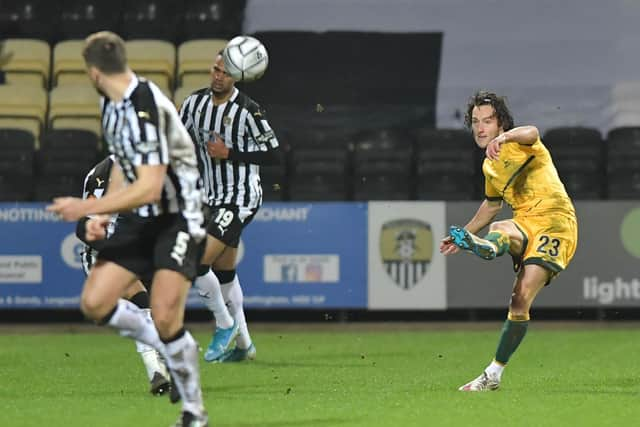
column 245, row 58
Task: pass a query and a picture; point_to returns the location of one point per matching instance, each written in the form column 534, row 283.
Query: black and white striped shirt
column 243, row 126
column 145, row 129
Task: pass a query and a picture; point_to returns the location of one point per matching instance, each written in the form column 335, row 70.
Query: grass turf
column 344, row 377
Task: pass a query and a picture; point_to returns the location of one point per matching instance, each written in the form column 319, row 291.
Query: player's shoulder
column 248, row 103
column 195, row 96
column 143, row 99
column 198, row 93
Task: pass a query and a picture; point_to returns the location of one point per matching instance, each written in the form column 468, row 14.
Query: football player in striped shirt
column 233, row 139
column 96, row 184
column 158, row 195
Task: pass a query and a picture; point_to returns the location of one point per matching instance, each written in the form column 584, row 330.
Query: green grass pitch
column 343, row 375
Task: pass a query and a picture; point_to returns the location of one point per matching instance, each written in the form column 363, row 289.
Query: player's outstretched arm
column 525, row 135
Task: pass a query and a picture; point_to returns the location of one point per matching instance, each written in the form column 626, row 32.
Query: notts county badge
column 406, row 249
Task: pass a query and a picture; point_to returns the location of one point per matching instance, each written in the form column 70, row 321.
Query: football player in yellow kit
column 543, row 233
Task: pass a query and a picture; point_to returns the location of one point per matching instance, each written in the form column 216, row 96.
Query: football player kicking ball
column 96, row 184
column 543, row 233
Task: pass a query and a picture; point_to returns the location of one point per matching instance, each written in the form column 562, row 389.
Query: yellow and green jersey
column 524, row 177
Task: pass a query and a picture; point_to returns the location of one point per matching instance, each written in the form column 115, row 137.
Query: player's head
column 487, row 116
column 221, row 81
column 104, row 55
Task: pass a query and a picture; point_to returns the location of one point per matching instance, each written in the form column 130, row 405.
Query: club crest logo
column 406, row 250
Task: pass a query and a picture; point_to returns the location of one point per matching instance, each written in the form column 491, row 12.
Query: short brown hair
column 105, row 51
column 499, row 104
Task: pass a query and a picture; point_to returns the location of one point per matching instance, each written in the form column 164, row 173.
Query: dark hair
column 105, row 51
column 499, row 104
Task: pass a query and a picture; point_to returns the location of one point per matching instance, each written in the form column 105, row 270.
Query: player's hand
column 493, row 147
column 96, row 227
column 69, row 208
column 217, row 148
column 447, row 247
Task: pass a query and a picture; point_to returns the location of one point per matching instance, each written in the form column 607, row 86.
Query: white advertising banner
column 406, row 271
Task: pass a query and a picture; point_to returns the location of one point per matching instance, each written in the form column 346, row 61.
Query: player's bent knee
column 93, row 308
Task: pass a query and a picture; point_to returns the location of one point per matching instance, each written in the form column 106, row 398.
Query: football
column 245, row 58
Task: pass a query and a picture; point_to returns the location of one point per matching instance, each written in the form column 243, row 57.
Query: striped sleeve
column 260, row 130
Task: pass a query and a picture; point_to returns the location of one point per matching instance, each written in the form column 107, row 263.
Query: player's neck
column 221, row 98
column 116, row 86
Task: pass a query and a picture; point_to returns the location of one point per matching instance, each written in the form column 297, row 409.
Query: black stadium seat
column 623, row 163
column 70, row 139
column 318, row 174
column 150, row 19
column 79, row 18
column 578, row 154
column 35, row 19
column 205, row 19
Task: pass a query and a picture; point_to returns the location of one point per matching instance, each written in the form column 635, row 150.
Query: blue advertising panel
column 305, row 255
column 40, row 263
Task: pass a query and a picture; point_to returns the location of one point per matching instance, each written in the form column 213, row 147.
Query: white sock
column 495, row 369
column 150, row 357
column 182, row 356
column 211, row 295
column 131, row 321
column 234, row 298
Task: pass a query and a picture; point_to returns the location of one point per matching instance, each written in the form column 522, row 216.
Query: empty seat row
column 32, row 62
column 72, row 105
column 158, row 19
column 441, row 165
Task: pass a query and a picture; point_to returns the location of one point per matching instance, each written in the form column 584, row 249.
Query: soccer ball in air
column 245, row 58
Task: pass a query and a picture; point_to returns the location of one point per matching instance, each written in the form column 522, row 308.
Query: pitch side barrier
column 363, row 257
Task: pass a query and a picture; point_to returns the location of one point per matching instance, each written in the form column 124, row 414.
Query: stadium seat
column 274, row 182
column 75, row 107
column 382, row 167
column 16, row 165
column 28, row 19
column 181, row 94
column 153, row 59
column 623, row 163
column 79, row 18
column 390, row 182
column 68, row 64
column 70, row 139
column 73, row 163
column 623, row 141
column 448, row 165
column 623, row 183
column 150, row 19
column 217, row 18
column 440, row 175
column 17, row 152
column 48, row 187
column 13, row 138
column 578, row 154
column 195, row 58
column 23, row 107
column 315, row 169
column 29, row 61
column 16, row 188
